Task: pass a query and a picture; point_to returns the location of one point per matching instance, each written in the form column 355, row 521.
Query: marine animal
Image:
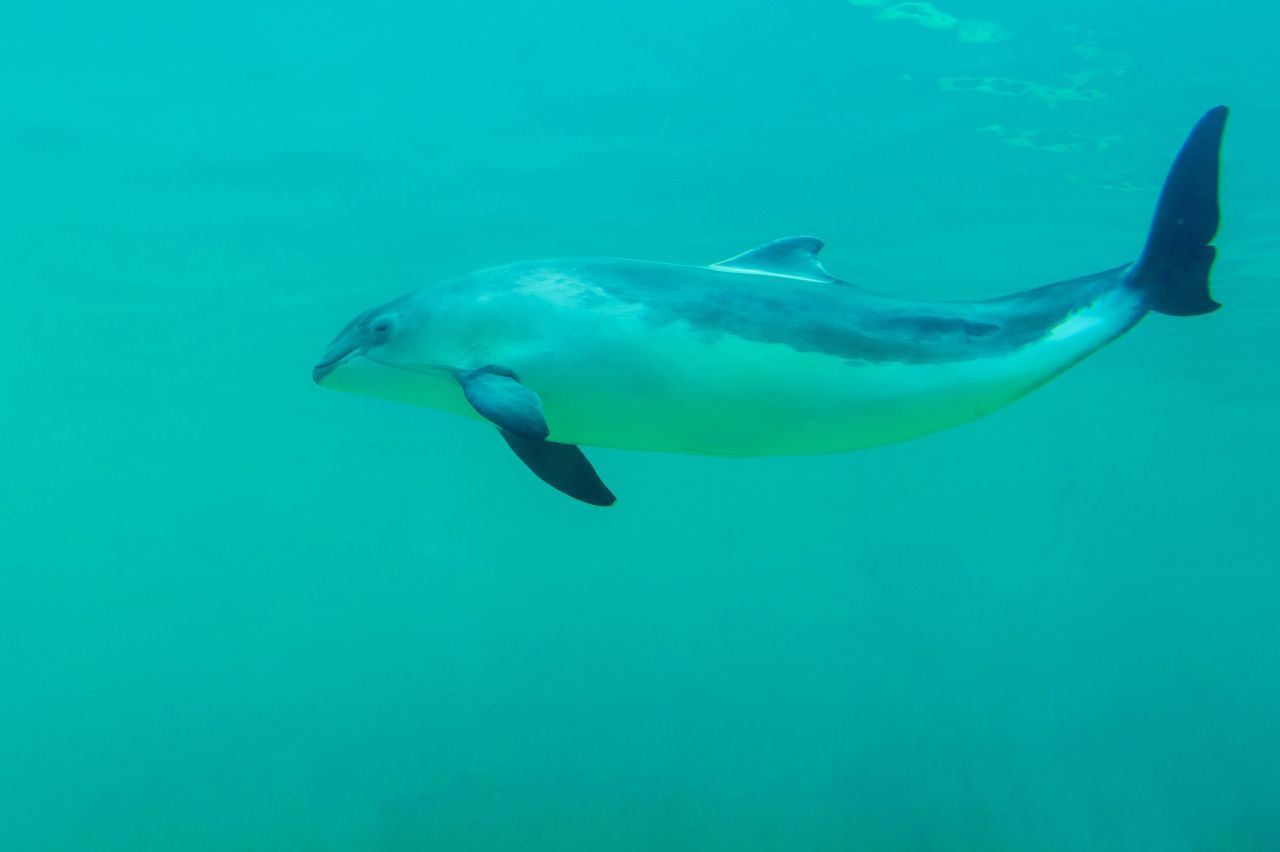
column 765, row 353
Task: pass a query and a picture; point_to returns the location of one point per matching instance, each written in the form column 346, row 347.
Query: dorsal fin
column 793, row 257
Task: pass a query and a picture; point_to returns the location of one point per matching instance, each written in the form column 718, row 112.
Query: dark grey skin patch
column 811, row 316
column 829, row 317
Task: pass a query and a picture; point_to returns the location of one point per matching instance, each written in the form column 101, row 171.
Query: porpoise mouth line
column 324, row 368
column 333, row 362
column 415, row 368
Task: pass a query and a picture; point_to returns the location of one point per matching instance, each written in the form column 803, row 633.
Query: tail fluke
column 1173, row 270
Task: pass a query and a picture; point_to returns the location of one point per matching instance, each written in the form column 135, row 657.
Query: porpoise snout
column 321, row 370
column 341, row 349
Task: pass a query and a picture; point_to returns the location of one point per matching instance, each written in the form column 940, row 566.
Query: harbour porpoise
column 765, row 353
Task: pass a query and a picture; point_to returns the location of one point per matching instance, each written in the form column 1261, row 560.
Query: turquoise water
column 241, row 612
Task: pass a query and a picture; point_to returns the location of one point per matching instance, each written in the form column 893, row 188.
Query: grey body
column 762, row 354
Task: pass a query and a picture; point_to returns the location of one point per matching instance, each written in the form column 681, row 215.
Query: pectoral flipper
column 562, row 466
column 497, row 395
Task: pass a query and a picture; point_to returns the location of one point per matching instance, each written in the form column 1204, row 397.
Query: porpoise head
column 371, row 334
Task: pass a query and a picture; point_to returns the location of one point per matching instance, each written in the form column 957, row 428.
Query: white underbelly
column 678, row 391
column 623, row 384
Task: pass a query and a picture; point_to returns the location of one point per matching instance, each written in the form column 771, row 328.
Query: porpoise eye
column 381, row 327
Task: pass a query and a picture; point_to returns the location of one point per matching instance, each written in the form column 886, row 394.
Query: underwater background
column 241, row 612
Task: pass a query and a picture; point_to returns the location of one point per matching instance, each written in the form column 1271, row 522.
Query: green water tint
column 240, row 612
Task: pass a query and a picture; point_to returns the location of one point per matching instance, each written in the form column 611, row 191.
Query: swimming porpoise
column 765, row 353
